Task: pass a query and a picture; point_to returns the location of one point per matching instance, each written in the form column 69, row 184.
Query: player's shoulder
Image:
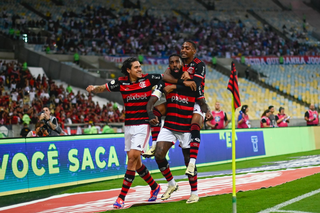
column 197, row 61
column 123, row 78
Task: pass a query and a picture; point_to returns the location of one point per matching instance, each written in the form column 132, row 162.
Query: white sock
column 172, row 182
column 194, row 192
column 193, row 161
column 154, row 143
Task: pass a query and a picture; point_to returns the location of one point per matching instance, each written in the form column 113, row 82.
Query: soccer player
column 197, row 72
column 136, row 89
column 195, row 69
column 180, row 105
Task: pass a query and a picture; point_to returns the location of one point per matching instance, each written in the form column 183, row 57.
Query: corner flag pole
column 234, row 89
column 233, row 137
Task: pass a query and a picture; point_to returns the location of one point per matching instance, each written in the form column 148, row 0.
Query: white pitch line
column 296, row 199
column 290, row 211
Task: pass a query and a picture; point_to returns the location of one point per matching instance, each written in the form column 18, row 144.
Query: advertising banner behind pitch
column 41, row 163
column 150, row 60
column 269, row 60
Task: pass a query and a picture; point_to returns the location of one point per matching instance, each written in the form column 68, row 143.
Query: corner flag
column 233, row 86
column 234, row 89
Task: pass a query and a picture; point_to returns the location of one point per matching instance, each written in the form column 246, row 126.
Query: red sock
column 165, row 169
column 193, row 181
column 145, row 174
column 195, row 140
column 127, row 182
column 156, row 129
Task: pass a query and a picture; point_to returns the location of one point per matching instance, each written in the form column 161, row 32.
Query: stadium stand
column 105, row 27
column 300, row 81
column 291, row 25
column 22, row 93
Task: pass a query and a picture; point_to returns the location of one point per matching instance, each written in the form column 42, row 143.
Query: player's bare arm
column 153, row 120
column 96, row 89
column 169, row 88
column 205, row 108
column 167, row 77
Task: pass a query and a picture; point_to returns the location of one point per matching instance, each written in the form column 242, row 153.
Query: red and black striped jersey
column 180, row 106
column 197, row 72
column 135, row 96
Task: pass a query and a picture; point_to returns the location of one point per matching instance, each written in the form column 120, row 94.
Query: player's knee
column 197, row 119
column 159, row 153
column 133, row 158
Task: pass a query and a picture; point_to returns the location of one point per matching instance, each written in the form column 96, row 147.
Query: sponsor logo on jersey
column 136, row 97
column 155, row 77
column 179, row 99
column 112, row 86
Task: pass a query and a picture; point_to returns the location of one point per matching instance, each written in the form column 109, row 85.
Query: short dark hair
column 270, row 107
column 194, row 45
column 175, row 54
column 127, row 64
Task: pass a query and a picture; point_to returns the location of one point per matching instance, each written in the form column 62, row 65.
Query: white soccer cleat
column 169, row 191
column 190, row 169
column 193, row 199
column 150, row 152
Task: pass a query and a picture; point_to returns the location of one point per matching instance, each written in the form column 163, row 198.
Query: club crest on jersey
column 142, row 84
column 217, row 118
column 191, row 70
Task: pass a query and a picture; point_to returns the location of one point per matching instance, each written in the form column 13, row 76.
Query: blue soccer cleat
column 154, row 193
column 119, row 204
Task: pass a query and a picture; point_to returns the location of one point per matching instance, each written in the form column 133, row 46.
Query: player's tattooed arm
column 96, row 89
column 205, row 108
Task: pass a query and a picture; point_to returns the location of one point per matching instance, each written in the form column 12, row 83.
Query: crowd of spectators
column 23, row 97
column 103, row 31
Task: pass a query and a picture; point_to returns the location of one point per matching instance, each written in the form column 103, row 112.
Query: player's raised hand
column 185, row 76
column 209, row 115
column 90, row 88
